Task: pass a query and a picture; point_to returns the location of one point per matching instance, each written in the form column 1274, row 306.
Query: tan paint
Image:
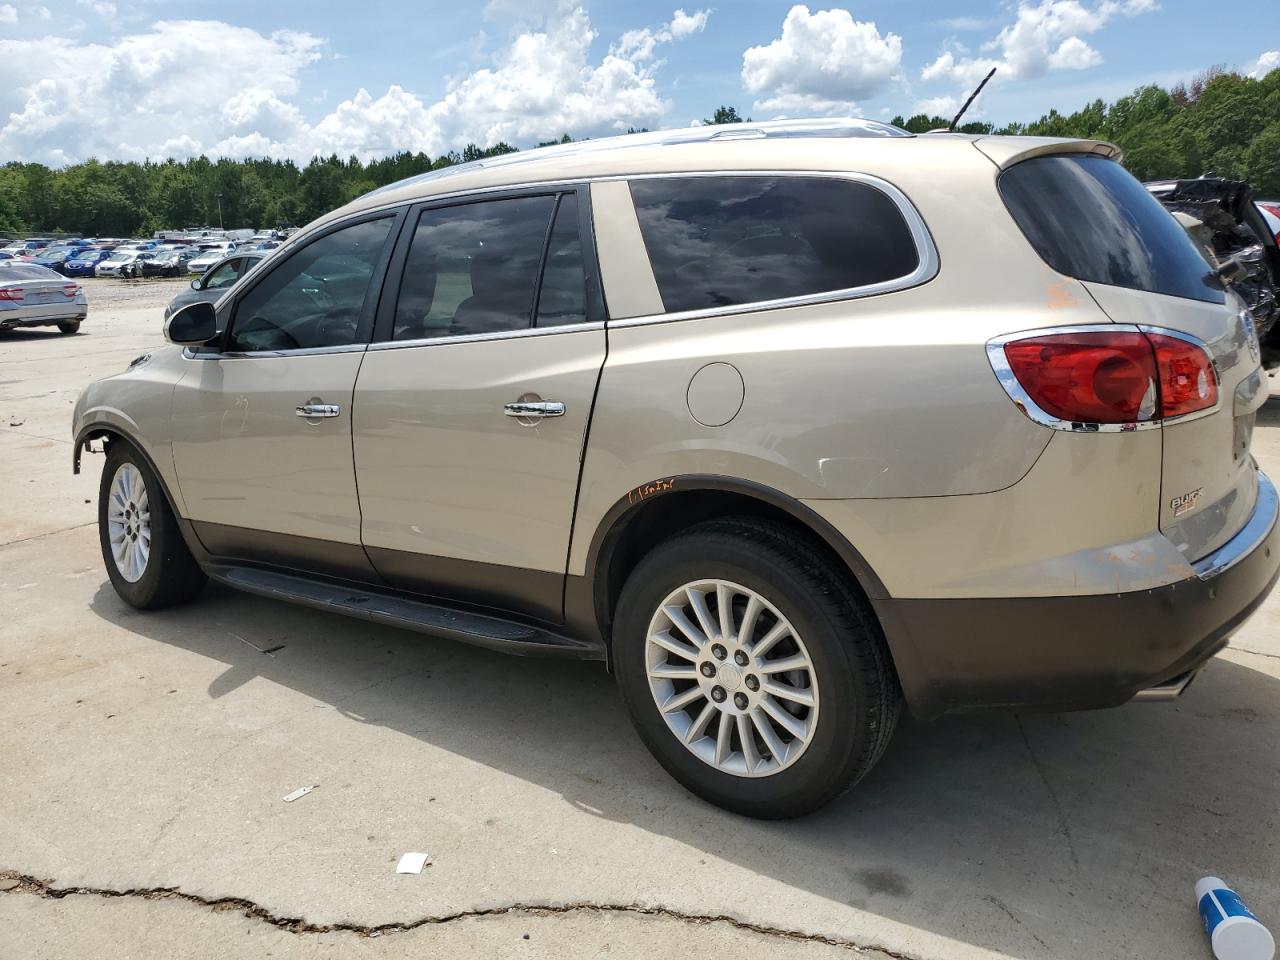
column 629, row 287
column 444, row 472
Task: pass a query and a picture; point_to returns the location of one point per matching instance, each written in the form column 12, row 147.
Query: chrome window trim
column 190, row 353
column 482, row 337
column 1265, row 510
column 1004, row 373
column 926, row 269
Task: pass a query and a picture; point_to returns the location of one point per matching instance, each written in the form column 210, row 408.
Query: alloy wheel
column 129, row 522
column 732, row 678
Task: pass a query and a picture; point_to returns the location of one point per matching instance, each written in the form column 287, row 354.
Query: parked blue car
column 84, row 262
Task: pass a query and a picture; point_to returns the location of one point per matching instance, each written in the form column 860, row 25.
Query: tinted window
column 562, row 297
column 316, row 297
column 472, row 268
column 223, row 276
column 25, row 271
column 720, row 241
column 1090, row 219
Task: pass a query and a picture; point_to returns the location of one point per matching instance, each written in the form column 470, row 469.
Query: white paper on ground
column 412, row 863
column 300, row 792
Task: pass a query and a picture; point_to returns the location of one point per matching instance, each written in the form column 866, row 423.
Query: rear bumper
column 1080, row 652
column 43, row 315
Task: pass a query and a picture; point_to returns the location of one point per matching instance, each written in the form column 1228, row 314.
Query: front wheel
column 69, row 326
column 752, row 670
column 147, row 560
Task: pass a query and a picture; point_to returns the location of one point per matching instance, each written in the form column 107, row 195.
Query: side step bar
column 481, row 630
column 1169, row 690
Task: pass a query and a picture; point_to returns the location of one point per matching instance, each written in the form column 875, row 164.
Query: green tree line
column 1221, row 122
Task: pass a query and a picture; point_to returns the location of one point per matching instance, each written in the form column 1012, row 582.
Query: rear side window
column 1090, row 219
column 493, row 266
column 724, row 241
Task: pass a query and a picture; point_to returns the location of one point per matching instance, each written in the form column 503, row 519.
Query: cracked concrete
column 150, row 753
column 18, row 884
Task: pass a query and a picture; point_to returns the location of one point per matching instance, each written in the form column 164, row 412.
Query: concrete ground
column 145, row 758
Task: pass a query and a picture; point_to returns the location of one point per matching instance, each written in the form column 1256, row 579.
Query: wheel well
column 641, row 529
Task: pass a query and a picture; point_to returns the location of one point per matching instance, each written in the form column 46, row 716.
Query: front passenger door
column 262, row 425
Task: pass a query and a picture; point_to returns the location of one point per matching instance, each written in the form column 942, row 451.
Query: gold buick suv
column 787, row 423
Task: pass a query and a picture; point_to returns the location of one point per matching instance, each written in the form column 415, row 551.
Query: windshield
column 1090, row 219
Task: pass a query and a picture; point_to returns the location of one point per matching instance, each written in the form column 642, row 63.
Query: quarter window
column 315, row 298
column 724, row 241
column 562, row 296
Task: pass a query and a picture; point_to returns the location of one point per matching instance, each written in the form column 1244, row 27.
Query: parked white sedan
column 35, row 296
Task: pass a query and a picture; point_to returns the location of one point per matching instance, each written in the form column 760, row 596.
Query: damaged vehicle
column 757, row 416
column 1232, row 230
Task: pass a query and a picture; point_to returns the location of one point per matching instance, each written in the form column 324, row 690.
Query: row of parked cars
column 107, row 257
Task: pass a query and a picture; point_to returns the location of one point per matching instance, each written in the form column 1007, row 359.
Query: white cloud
column 823, row 62
column 149, row 94
column 1265, row 64
column 8, row 13
column 640, row 44
column 936, row 106
column 1044, row 36
column 103, row 8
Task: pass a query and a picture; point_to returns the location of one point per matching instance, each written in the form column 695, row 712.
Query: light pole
column 220, row 226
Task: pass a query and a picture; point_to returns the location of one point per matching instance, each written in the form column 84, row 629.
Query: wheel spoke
column 698, row 601
column 798, row 695
column 782, row 666
column 724, row 609
column 672, row 645
column 723, row 737
column 749, row 618
column 770, row 639
column 679, row 701
column 777, row 749
column 671, row 671
column 749, row 752
column 677, row 617
column 699, row 726
column 785, row 720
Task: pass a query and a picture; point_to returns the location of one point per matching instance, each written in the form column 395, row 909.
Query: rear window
column 25, row 271
column 1090, row 219
column 724, row 241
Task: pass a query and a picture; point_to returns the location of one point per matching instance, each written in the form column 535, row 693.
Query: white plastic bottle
column 1234, row 932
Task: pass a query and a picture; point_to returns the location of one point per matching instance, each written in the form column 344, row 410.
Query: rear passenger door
column 471, row 408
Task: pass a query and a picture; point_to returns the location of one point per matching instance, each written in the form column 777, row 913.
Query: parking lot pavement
column 145, row 759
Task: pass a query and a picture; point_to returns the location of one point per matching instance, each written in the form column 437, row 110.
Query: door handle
column 315, row 411
column 534, row 409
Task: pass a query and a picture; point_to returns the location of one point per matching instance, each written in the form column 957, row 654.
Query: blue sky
column 297, row 77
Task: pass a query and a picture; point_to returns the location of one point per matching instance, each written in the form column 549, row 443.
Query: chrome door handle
column 313, row 411
column 534, row 409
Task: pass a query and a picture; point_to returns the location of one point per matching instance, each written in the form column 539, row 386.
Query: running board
column 481, row 630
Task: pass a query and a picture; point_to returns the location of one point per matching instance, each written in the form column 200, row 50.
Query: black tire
column 857, row 688
column 69, row 327
column 171, row 574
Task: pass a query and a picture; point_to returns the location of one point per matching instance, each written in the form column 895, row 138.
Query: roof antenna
column 973, row 96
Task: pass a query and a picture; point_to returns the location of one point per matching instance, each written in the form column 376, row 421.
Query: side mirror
column 194, row 324
column 195, row 284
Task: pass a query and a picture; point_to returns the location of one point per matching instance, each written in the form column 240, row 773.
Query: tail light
column 70, row 289
column 10, row 293
column 1089, row 379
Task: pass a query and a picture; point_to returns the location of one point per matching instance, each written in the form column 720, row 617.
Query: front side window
column 723, row 241
column 223, row 276
column 474, row 268
column 316, row 297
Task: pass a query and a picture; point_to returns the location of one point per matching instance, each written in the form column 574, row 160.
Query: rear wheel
column 754, row 673
column 69, row 326
column 146, row 558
